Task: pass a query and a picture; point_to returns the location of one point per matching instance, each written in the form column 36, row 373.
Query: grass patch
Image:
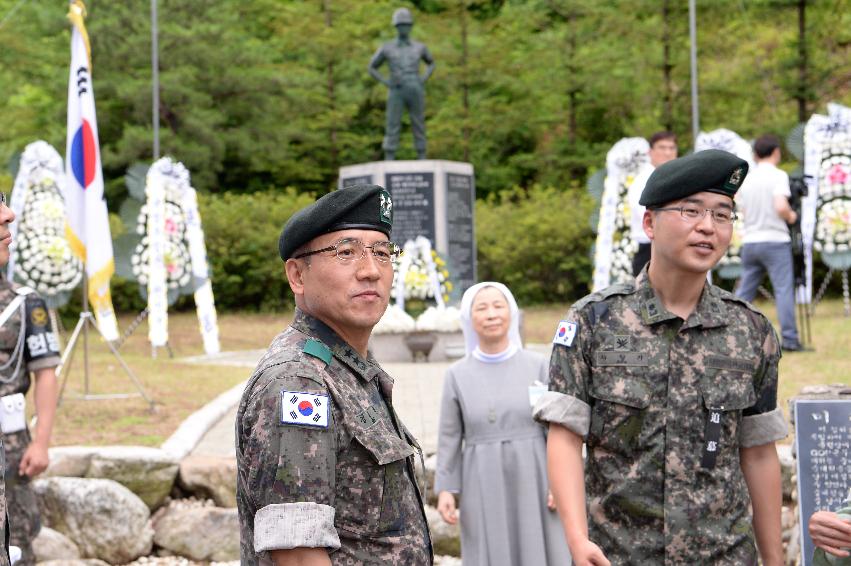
column 180, row 388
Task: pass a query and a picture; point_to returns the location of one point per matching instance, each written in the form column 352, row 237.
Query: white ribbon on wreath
column 167, row 174
column 204, row 302
column 157, row 288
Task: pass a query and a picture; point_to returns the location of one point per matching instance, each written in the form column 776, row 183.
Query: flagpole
column 85, row 336
column 155, row 79
column 695, row 111
column 83, row 171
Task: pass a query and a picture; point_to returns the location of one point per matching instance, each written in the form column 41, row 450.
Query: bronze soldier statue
column 406, row 85
column 325, row 465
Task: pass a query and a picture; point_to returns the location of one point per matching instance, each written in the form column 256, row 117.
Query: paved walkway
column 416, row 396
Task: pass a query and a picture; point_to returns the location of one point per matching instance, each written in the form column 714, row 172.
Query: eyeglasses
column 691, row 213
column 350, row 250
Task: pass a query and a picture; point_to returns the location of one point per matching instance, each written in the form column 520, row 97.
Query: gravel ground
column 177, row 561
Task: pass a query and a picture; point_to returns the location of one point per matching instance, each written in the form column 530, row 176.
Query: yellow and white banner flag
column 88, row 220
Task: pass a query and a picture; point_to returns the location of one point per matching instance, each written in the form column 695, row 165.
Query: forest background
column 264, row 100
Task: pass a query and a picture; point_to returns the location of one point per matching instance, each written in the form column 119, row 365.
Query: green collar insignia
column 385, row 208
column 318, row 350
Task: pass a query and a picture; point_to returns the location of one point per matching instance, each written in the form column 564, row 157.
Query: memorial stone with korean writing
column 823, row 446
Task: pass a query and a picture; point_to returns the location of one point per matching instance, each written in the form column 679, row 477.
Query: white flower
column 447, row 319
column 395, row 320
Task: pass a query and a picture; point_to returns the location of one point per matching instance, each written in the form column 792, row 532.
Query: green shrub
column 241, row 231
column 536, row 242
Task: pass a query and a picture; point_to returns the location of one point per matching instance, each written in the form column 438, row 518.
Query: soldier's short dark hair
column 663, row 135
column 765, row 145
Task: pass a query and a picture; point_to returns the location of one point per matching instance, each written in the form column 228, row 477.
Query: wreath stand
column 140, row 318
column 86, row 320
column 846, row 296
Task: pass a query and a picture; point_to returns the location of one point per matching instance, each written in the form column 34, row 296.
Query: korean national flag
column 565, row 333
column 302, row 408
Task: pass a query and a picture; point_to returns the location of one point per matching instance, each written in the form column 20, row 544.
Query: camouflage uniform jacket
column 664, row 406
column 349, row 486
column 22, row 350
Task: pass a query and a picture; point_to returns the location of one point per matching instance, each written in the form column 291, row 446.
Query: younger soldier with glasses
column 672, row 384
column 325, row 465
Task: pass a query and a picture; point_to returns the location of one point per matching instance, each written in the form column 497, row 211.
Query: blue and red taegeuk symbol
column 562, row 330
column 305, row 408
column 84, row 155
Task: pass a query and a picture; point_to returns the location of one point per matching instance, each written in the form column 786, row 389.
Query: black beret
column 365, row 207
column 711, row 170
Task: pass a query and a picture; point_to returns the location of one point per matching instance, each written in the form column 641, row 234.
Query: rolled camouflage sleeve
column 566, row 402
column 288, row 471
column 764, row 421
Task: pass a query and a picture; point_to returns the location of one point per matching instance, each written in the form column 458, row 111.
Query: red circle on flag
column 305, row 408
column 84, row 154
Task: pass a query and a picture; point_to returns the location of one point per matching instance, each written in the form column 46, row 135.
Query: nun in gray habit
column 490, row 451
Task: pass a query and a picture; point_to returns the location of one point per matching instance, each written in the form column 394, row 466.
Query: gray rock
column 147, row 472
column 439, row 528
column 75, row 562
column 69, row 461
column 209, row 477
column 787, row 470
column 53, row 545
column 425, row 477
column 198, row 533
column 104, row 518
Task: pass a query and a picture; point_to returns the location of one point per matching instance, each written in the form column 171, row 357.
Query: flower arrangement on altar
column 420, row 293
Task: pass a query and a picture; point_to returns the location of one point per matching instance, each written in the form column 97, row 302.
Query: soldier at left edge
column 28, row 348
column 325, row 467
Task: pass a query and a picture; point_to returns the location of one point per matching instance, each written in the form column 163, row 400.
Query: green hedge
column 536, row 242
column 241, row 231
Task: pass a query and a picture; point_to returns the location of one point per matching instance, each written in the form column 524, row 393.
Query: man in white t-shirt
column 663, row 148
column 767, row 245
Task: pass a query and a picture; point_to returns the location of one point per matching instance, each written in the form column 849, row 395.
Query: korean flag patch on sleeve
column 310, row 409
column 565, row 333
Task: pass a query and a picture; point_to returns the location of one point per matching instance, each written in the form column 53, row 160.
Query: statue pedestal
column 431, row 198
column 394, row 347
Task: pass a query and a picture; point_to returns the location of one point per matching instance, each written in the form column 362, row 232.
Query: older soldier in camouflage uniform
column 672, row 383
column 325, row 466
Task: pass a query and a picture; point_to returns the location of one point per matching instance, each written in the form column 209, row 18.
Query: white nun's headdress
column 471, row 339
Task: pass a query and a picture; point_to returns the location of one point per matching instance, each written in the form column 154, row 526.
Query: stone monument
column 406, row 85
column 431, row 198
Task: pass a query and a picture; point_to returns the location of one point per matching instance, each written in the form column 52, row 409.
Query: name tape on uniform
column 301, row 408
column 565, row 333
